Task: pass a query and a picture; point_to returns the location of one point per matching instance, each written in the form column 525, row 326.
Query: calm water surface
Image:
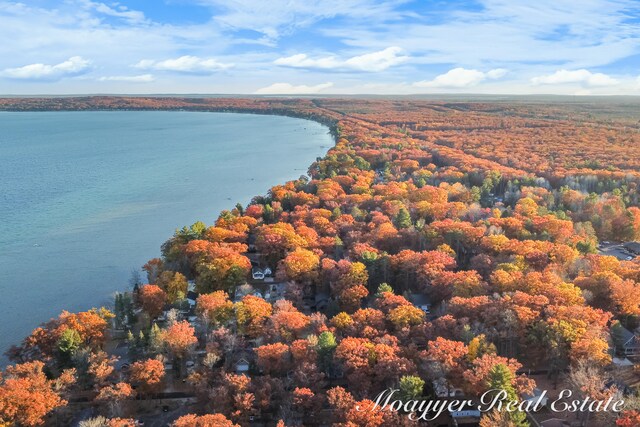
column 85, row 197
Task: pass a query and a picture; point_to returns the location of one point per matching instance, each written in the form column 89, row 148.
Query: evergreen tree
column 325, row 347
column 383, row 287
column 268, row 215
column 68, row 343
column 132, row 345
column 155, row 340
column 411, row 387
column 403, row 219
column 501, row 378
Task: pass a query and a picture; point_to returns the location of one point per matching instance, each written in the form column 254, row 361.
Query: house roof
column 321, row 296
column 419, row 299
column 633, row 246
column 622, row 334
column 622, row 361
column 535, row 393
column 628, row 376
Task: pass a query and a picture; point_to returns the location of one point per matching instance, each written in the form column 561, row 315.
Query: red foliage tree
column 152, row 298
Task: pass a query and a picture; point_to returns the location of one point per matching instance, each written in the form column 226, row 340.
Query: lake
column 85, row 197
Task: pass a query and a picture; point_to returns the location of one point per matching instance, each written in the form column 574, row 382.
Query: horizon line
column 307, row 95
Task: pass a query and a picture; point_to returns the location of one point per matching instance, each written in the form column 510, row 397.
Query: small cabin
column 241, row 366
column 627, row 343
column 421, row 301
column 257, row 274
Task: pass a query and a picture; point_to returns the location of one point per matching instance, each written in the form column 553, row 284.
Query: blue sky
column 320, row 46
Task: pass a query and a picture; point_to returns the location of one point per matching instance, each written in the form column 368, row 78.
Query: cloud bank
column 369, row 62
column 583, row 77
column 73, row 66
column 185, row 64
column 289, row 89
column 461, row 78
column 143, row 78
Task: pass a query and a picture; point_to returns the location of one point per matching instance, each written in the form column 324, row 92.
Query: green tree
column 174, row 284
column 155, row 339
column 384, row 287
column 501, row 378
column 411, row 387
column 326, row 342
column 479, row 346
column 336, row 213
column 119, row 310
column 69, row 342
column 132, row 345
column 268, row 215
column 326, row 346
column 403, row 219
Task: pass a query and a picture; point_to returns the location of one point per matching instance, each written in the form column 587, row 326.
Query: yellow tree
column 301, row 265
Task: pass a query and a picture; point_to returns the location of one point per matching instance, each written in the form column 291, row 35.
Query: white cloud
column 275, row 17
column 583, row 77
column 461, row 78
column 73, row 66
column 185, row 64
column 531, row 39
column 118, row 11
column 289, row 89
column 509, row 32
column 374, row 61
column 497, row 73
column 143, row 78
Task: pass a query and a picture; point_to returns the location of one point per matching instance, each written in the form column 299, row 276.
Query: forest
column 441, row 248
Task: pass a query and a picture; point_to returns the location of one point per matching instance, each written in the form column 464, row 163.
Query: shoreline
column 257, row 192
column 11, row 104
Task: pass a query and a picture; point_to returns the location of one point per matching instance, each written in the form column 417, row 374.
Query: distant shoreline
column 135, row 103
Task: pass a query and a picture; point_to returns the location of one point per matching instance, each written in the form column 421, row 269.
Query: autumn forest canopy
column 437, row 245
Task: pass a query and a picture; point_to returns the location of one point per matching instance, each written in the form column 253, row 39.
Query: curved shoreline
column 214, row 210
column 273, row 107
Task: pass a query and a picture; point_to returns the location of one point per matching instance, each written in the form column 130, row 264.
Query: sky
column 283, row 47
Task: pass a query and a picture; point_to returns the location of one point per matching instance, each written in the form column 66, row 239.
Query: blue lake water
column 85, row 197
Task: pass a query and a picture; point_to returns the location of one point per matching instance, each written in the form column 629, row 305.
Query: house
column 242, row 291
column 536, row 398
column 241, row 366
column 421, row 301
column 322, row 301
column 441, row 389
column 625, row 378
column 257, row 274
column 626, row 342
column 633, row 247
column 274, row 291
column 621, row 362
column 191, row 298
